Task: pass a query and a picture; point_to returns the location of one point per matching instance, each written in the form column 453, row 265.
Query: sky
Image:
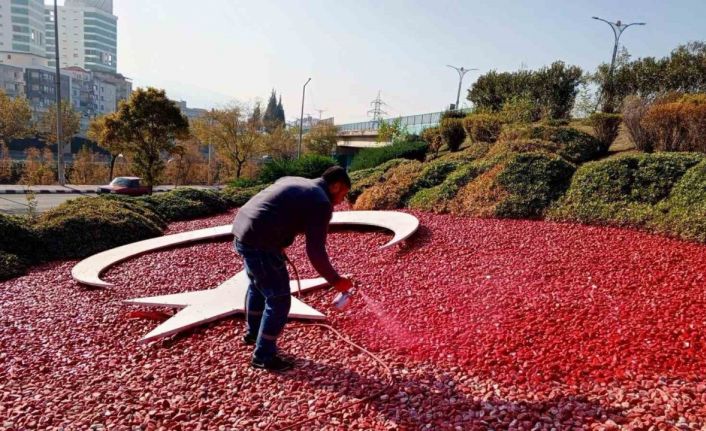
column 212, row 53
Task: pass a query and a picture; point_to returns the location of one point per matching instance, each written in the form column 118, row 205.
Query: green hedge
column 452, row 133
column 437, row 197
column 482, row 127
column 574, row 145
column 308, row 166
column 85, row 226
column 17, row 238
column 683, row 214
column 651, row 191
column 533, row 181
column 237, row 197
column 365, row 178
column 186, row 203
column 11, row 266
column 372, row 157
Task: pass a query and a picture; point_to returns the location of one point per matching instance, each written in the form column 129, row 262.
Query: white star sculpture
column 203, row 306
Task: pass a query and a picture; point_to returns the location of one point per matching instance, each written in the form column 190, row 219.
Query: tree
column 235, row 138
column 15, row 118
column 392, row 132
column 70, row 123
column 186, row 166
column 148, row 124
column 280, row 112
column 269, row 120
column 256, row 117
column 552, row 90
column 281, row 143
column 684, row 70
column 321, row 139
column 107, row 138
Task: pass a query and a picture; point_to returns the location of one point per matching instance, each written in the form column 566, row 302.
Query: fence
column 414, row 123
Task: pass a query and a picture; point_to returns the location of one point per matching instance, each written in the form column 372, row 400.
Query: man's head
column 338, row 183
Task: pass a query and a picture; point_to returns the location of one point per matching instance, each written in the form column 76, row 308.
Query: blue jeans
column 268, row 298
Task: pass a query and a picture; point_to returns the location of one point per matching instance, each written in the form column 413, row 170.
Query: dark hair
column 336, row 174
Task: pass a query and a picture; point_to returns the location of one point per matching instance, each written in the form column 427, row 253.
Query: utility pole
column 59, row 150
column 301, row 120
column 377, row 111
column 461, row 72
column 618, row 29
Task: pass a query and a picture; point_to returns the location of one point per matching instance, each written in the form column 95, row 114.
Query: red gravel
column 487, row 324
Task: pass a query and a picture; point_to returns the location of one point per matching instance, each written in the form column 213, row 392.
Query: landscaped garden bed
column 486, row 323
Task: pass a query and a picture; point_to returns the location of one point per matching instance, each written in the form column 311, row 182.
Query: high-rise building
column 88, row 35
column 22, row 38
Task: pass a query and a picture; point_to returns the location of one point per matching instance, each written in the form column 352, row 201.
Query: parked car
column 125, row 186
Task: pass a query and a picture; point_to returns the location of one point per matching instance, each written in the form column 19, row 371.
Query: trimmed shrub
column 576, row 146
column 142, row 206
column 533, row 181
column 365, row 178
column 683, row 214
column 236, row 197
column 522, row 186
column 371, row 157
column 437, row 198
column 524, row 146
column 623, row 191
column 308, row 166
column 212, row 200
column 11, row 266
column 85, row 226
column 242, row 183
column 18, row 238
column 473, row 152
column 678, row 125
column 432, row 136
column 394, row 186
column 634, row 109
column 606, row 127
column 452, row 133
column 482, row 127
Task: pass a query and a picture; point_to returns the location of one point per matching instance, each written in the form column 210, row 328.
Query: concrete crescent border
column 88, row 271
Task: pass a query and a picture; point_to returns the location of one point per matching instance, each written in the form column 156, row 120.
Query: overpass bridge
column 364, row 134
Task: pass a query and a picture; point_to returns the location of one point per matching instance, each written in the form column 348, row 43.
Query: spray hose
column 386, row 368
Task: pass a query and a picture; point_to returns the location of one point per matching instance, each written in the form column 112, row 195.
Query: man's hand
column 343, row 284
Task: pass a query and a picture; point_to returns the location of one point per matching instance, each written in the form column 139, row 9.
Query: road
column 17, row 204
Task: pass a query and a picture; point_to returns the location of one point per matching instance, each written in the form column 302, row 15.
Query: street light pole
column 618, row 29
column 59, row 153
column 461, row 72
column 301, row 120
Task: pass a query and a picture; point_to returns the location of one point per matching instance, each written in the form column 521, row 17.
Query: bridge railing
column 414, row 123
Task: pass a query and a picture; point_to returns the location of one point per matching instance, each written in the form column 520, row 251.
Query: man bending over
column 263, row 228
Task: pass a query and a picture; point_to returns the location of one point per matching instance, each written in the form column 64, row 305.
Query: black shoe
column 276, row 364
column 249, row 340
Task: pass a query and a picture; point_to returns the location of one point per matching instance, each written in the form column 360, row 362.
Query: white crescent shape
column 88, row 271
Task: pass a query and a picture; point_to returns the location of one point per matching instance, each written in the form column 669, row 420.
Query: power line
column 377, row 111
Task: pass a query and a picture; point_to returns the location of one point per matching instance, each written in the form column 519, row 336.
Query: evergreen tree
column 280, row 112
column 270, row 119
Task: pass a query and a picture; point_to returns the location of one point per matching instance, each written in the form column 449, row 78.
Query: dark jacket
column 292, row 205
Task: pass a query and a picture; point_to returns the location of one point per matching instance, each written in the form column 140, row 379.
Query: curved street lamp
column 301, row 120
column 461, row 71
column 618, row 28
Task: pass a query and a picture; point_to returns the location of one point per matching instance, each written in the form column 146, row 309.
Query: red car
column 125, row 186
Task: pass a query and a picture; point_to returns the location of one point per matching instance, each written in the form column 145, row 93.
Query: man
column 263, row 228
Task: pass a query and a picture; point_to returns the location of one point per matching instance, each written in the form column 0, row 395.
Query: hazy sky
column 210, row 52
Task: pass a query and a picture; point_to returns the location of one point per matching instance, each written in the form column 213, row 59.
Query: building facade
column 22, row 37
column 12, row 80
column 88, row 35
column 40, row 88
